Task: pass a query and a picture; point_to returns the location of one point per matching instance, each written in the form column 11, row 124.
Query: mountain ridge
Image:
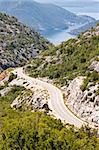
column 43, row 17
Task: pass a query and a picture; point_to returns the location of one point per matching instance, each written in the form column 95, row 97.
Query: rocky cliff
column 85, row 104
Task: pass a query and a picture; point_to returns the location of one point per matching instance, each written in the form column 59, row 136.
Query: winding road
column 56, row 102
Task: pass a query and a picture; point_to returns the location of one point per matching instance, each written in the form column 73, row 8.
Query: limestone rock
column 84, row 104
column 34, row 98
column 95, row 65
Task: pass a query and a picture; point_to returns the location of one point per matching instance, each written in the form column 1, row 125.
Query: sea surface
column 64, row 35
column 60, row 36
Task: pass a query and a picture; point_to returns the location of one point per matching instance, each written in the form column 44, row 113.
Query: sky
column 59, row 1
column 66, row 0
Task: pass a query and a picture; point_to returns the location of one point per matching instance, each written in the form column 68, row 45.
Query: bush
column 85, row 84
column 94, row 76
column 27, row 131
column 91, row 77
column 12, row 77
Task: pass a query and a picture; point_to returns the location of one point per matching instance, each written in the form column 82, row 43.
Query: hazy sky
column 51, row 1
column 59, row 0
column 66, row 0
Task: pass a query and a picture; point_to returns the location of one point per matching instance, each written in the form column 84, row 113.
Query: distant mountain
column 91, row 23
column 84, row 28
column 43, row 17
column 18, row 43
column 72, row 3
column 88, row 18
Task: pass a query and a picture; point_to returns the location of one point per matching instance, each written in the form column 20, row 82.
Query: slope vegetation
column 68, row 60
column 18, row 43
column 37, row 131
column 74, row 66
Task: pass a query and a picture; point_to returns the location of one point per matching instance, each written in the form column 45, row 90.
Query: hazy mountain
column 84, row 28
column 69, row 2
column 43, row 17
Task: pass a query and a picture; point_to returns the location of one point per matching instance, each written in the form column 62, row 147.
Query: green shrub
column 70, row 59
column 85, row 84
column 12, row 94
column 12, row 77
column 91, row 77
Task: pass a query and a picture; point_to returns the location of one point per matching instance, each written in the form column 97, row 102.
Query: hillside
column 84, row 28
column 44, row 18
column 22, row 129
column 74, row 67
column 18, row 43
column 69, row 59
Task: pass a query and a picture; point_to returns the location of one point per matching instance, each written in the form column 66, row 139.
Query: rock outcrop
column 28, row 100
column 34, row 98
column 95, row 65
column 84, row 104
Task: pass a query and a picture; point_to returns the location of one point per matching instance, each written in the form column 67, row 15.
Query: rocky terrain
column 82, row 95
column 95, row 65
column 85, row 104
column 68, row 60
column 34, row 98
column 18, row 43
column 74, row 67
column 74, row 64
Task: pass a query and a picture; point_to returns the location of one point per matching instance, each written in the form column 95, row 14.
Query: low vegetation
column 21, row 130
column 12, row 94
column 92, row 77
column 10, row 78
column 68, row 60
column 37, row 131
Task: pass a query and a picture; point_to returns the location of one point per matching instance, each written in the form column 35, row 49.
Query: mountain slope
column 18, row 43
column 43, row 17
column 74, row 67
column 84, row 28
column 70, row 58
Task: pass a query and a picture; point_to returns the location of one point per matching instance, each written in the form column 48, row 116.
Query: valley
column 49, row 93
